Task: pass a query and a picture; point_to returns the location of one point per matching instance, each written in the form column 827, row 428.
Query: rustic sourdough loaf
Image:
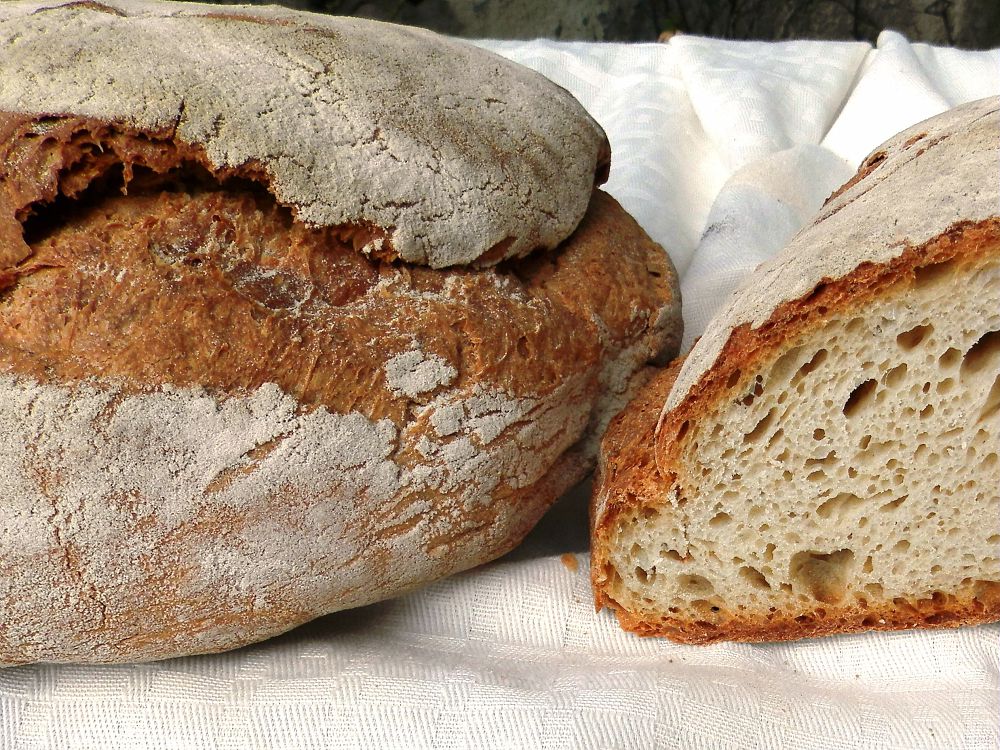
column 259, row 360
column 825, row 459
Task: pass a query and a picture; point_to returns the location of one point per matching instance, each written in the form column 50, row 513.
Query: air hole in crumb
column 645, row 577
column 756, row 391
column 823, row 575
column 782, row 367
column 895, row 376
column 754, row 577
column 670, row 554
column 982, row 353
column 893, row 504
column 734, row 378
column 950, row 358
column 683, row 430
column 992, row 405
column 761, row 428
column 839, row 506
column 911, row 339
column 819, row 433
column 695, row 585
column 817, row 359
column 987, row 590
column 720, row 519
column 776, row 437
column 860, row 398
column 901, row 546
column 903, row 603
column 933, row 273
column 828, row 460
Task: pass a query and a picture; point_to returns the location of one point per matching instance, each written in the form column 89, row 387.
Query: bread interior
column 856, row 468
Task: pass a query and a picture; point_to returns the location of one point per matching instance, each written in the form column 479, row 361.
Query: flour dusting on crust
column 443, row 146
column 413, row 372
column 245, row 505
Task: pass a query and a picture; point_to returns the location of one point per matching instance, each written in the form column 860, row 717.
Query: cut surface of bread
column 835, row 468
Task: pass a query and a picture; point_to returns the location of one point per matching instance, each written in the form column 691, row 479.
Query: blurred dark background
column 973, row 24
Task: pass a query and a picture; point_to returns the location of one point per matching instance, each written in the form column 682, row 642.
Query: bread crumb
column 569, row 560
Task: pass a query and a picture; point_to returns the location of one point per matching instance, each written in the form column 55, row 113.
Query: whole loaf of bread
column 260, row 359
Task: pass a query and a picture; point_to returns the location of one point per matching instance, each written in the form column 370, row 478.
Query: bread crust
column 641, row 463
column 462, row 157
column 221, row 423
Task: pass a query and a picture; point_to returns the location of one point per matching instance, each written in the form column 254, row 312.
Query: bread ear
column 827, row 459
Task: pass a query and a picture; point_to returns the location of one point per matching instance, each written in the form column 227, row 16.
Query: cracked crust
column 464, row 157
column 221, row 422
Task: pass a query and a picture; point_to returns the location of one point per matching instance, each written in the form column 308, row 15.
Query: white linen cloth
column 722, row 150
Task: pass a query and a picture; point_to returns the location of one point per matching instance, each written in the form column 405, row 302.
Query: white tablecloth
column 746, row 139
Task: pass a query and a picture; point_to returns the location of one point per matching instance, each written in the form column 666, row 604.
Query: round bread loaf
column 223, row 414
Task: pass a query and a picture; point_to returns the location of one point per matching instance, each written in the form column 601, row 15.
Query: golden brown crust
column 626, row 474
column 290, row 304
column 632, row 478
column 976, row 607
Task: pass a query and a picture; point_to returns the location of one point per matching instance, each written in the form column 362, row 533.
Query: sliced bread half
column 825, row 460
